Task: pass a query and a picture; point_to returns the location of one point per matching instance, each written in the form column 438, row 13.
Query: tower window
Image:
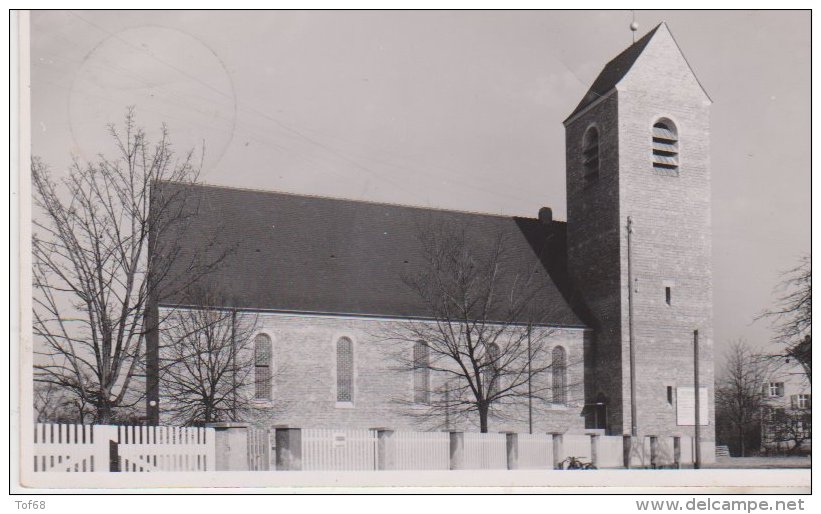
column 490, row 373
column 559, row 371
column 669, row 395
column 590, row 154
column 668, row 295
column 421, row 373
column 665, row 146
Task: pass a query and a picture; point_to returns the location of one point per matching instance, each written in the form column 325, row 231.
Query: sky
column 449, row 109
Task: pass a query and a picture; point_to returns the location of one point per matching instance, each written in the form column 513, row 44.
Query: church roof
column 311, row 254
column 614, row 71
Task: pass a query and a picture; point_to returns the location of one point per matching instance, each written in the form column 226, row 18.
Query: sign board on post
column 686, row 406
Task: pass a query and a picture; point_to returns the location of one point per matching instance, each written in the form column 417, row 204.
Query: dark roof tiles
column 312, row 254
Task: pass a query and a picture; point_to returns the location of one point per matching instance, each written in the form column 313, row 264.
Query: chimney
column 546, row 215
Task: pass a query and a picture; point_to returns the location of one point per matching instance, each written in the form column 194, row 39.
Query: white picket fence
column 485, row 451
column 72, row 448
column 688, row 452
column 610, row 451
column 640, row 453
column 576, row 445
column 103, row 448
column 535, row 451
column 260, row 449
column 165, row 448
column 338, row 450
column 420, row 450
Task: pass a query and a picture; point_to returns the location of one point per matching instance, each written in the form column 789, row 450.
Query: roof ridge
column 340, row 199
column 640, row 41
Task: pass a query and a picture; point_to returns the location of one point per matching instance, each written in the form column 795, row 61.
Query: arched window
column 590, row 153
column 262, row 367
column 665, row 146
column 490, row 374
column 421, row 373
column 559, row 368
column 344, row 370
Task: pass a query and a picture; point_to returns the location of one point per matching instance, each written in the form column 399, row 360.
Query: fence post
column 594, row 449
column 230, row 445
column 512, row 447
column 627, row 450
column 288, row 448
column 677, row 452
column 457, row 450
column 557, row 450
column 654, row 451
column 385, row 449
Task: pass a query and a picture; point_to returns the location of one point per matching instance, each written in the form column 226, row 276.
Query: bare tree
column 792, row 315
column 789, row 427
column 91, row 264
column 207, row 361
column 740, row 397
column 483, row 349
column 53, row 405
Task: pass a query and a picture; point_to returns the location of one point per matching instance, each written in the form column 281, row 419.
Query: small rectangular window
column 669, row 395
column 668, row 295
column 801, row 401
column 776, row 389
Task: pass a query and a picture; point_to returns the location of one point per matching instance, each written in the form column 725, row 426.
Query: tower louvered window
column 665, row 146
column 590, row 153
column 262, row 367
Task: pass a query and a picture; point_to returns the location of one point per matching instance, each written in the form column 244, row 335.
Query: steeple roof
column 614, row 71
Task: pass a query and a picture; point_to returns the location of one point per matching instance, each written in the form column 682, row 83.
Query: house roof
column 312, row 254
column 613, row 72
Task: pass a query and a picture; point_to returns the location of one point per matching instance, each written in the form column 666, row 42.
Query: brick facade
column 304, row 381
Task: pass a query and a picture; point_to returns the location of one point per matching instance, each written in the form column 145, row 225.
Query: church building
column 623, row 287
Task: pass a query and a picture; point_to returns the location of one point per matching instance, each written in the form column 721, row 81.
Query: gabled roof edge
column 687, row 62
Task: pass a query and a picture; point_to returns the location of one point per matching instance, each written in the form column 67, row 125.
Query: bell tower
column 638, row 236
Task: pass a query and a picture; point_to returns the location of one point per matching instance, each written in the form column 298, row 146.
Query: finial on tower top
column 634, row 26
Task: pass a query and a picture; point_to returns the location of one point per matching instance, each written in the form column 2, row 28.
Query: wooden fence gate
column 72, row 448
column 165, row 448
column 338, row 450
column 261, row 449
column 103, row 448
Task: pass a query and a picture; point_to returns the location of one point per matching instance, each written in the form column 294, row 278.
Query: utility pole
column 529, row 386
column 447, row 405
column 633, row 422
column 697, row 464
column 234, row 364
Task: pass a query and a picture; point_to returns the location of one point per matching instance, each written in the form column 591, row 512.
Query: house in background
column 624, row 283
column 787, row 421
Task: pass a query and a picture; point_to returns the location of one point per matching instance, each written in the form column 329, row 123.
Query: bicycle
column 575, row 463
